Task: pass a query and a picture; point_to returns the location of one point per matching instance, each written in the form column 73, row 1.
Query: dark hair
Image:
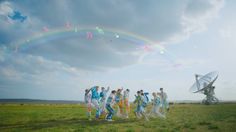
column 161, row 88
column 142, row 94
column 138, row 92
column 127, row 89
column 113, row 91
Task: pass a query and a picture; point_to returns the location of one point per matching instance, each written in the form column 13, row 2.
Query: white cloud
column 27, row 66
column 5, row 8
column 228, row 32
column 197, row 16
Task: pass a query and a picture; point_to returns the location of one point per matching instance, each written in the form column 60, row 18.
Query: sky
column 56, row 49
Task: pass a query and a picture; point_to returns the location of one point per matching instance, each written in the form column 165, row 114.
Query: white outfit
column 95, row 104
column 156, row 108
column 164, row 102
column 103, row 100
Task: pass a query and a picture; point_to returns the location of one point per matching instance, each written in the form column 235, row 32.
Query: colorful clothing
column 140, row 109
column 95, row 101
column 87, row 99
column 97, row 107
column 157, row 101
column 156, row 108
column 139, row 102
column 126, row 102
column 164, row 102
column 109, row 108
column 119, row 102
column 145, row 100
column 95, row 94
column 103, row 96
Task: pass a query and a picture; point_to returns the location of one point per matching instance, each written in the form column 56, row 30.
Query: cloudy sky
column 143, row 45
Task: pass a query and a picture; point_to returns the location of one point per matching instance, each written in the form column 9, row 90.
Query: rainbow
column 52, row 34
column 82, row 31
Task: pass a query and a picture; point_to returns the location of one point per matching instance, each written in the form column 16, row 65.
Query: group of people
column 118, row 103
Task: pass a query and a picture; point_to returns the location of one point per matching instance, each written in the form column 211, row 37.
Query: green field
column 181, row 117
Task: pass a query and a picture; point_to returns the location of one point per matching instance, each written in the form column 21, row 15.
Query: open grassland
column 181, row 117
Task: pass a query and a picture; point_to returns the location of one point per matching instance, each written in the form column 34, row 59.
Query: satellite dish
column 204, row 85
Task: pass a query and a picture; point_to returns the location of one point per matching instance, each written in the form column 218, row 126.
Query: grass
column 181, row 117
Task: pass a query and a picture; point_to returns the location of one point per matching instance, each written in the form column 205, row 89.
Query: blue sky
column 198, row 36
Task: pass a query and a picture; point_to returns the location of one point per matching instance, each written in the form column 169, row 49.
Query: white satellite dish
column 204, row 85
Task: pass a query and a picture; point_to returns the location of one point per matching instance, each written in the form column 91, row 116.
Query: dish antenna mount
column 204, row 85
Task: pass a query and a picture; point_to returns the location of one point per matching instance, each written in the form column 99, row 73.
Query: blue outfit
column 157, row 101
column 109, row 108
column 139, row 101
column 95, row 94
column 95, row 101
column 103, row 95
column 117, row 98
column 145, row 100
column 146, row 96
column 110, row 111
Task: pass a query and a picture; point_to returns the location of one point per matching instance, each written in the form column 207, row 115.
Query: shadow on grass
column 56, row 123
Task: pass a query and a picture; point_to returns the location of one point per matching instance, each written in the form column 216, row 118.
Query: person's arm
column 146, row 95
column 88, row 91
column 108, row 88
column 92, row 88
column 135, row 100
column 85, row 98
column 113, row 100
column 101, row 94
column 121, row 89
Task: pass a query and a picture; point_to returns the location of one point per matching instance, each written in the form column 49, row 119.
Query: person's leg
column 111, row 112
column 144, row 114
column 127, row 108
column 103, row 105
column 96, row 105
column 136, row 111
column 118, row 110
column 167, row 105
column 139, row 111
column 121, row 107
column 89, row 109
column 163, row 107
column 152, row 112
column 159, row 113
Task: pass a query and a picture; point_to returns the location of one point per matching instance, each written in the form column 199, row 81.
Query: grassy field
column 181, row 117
